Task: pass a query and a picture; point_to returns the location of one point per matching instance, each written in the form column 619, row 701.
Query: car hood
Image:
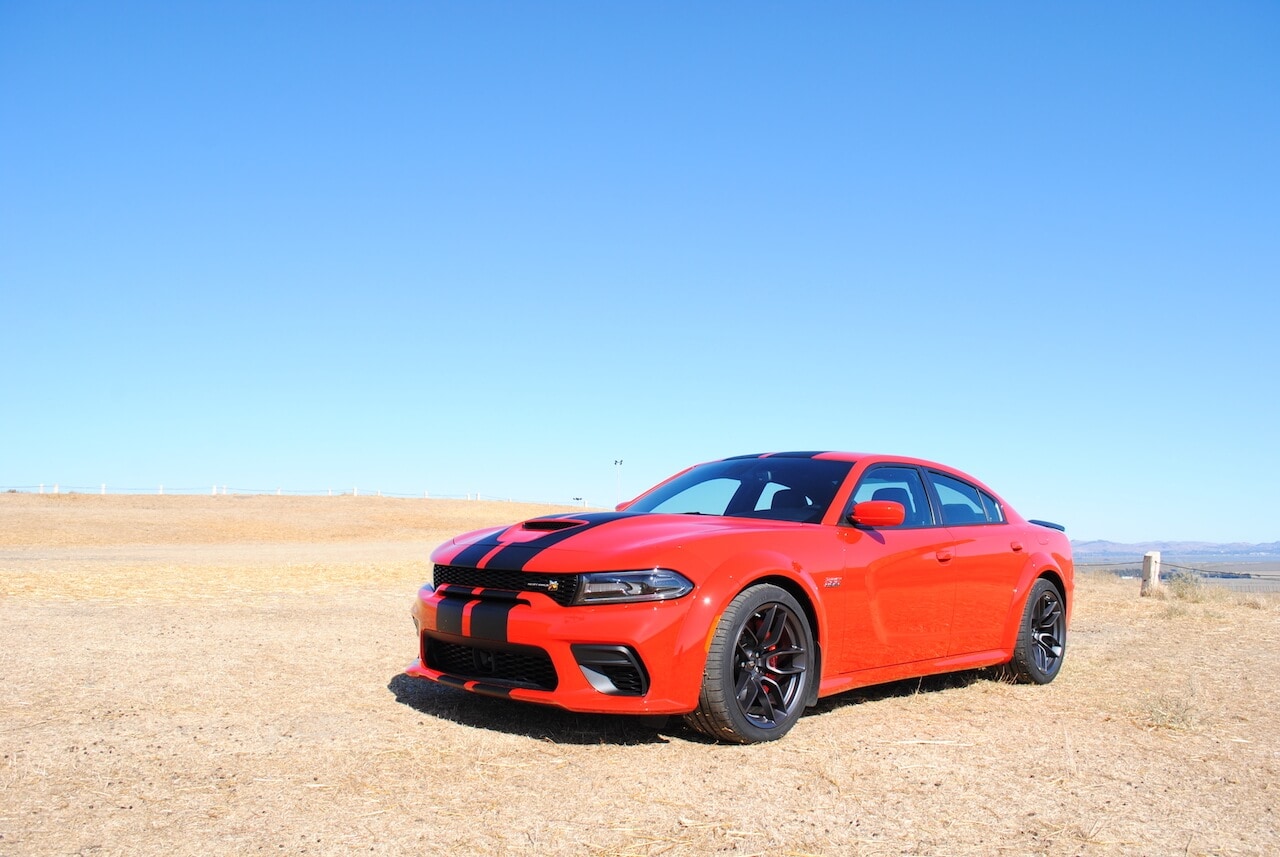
column 597, row 541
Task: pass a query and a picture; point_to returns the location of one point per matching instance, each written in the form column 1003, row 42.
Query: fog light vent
column 615, row 670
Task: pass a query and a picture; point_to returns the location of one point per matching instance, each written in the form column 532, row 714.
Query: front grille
column 520, row 666
column 561, row 587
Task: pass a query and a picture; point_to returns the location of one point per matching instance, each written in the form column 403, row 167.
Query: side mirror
column 878, row 513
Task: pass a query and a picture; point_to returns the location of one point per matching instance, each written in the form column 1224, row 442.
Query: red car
column 738, row 592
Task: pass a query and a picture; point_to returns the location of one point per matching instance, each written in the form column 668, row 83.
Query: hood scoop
column 548, row 525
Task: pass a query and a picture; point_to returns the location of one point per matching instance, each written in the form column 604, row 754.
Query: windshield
column 780, row 489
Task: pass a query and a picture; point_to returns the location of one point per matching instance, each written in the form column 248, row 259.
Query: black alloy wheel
column 758, row 671
column 1042, row 636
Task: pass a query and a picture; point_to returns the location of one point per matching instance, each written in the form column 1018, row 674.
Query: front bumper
column 644, row 658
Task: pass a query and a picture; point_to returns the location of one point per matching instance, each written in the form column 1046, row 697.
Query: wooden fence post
column 1150, row 572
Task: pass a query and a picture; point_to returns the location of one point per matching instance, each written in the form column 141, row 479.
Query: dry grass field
column 222, row 675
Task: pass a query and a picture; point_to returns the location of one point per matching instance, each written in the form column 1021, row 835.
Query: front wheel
column 1042, row 636
column 759, row 668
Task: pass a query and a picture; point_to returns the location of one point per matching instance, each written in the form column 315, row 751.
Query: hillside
column 1225, row 552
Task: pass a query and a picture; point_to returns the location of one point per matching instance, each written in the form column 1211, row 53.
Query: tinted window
column 902, row 485
column 768, row 495
column 782, row 489
column 994, row 513
column 704, row 498
column 961, row 502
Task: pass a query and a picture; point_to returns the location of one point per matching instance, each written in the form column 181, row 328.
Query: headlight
column 617, row 587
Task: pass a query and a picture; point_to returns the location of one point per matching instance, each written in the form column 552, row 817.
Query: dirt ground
column 222, row 675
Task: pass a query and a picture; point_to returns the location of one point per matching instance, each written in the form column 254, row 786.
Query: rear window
column 962, row 503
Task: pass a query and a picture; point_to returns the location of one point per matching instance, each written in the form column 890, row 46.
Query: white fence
column 1264, row 579
column 223, row 490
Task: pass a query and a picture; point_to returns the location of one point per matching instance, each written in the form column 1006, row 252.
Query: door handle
column 944, row 555
column 1017, row 546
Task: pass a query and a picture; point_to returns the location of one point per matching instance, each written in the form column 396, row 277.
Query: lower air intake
column 516, row 666
column 615, row 670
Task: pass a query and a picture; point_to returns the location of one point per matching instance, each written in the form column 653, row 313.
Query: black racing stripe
column 794, row 454
column 472, row 554
column 501, row 595
column 489, row 620
column 475, row 687
column 454, row 590
column 449, row 615
column 813, row 454
column 514, row 557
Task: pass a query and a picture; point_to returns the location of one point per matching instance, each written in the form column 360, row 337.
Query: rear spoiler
column 1048, row 524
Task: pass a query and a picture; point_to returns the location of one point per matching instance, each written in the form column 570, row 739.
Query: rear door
column 988, row 560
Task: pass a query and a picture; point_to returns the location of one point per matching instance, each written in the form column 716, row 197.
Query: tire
column 1042, row 636
column 759, row 668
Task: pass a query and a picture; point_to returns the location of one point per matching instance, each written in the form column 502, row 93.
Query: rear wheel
column 759, row 668
column 1042, row 636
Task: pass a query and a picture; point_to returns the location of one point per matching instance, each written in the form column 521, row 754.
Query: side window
column 961, row 502
column 995, row 514
column 902, row 485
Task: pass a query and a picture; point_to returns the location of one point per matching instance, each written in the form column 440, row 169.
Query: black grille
column 619, row 666
column 626, row 679
column 561, row 587
column 518, row 666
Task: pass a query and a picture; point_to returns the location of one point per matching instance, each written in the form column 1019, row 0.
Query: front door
column 900, row 589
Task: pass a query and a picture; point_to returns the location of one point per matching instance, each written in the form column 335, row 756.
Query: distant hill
column 1230, row 552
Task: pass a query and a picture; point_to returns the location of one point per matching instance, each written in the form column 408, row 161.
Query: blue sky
column 495, row 247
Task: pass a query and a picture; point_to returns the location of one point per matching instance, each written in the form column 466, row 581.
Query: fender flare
column 1039, row 564
column 730, row 579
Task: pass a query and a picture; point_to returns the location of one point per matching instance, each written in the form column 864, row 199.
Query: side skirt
column 896, row 672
